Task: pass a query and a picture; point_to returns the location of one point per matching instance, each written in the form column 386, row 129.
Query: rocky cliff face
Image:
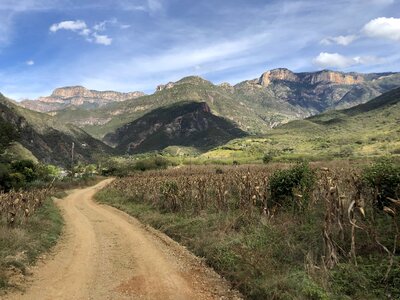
column 277, row 74
column 327, row 77
column 167, row 86
column 334, row 78
column 76, row 96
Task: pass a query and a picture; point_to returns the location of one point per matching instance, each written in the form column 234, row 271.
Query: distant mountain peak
column 184, row 80
column 277, row 74
column 76, row 96
column 80, row 91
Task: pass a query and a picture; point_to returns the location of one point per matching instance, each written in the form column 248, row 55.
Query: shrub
column 25, row 167
column 384, row 177
column 284, row 184
column 153, row 163
column 267, row 158
column 5, row 181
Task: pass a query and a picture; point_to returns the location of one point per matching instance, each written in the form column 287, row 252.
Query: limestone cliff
column 277, row 74
column 75, row 96
column 330, row 77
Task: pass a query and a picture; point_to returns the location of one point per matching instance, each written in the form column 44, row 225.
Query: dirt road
column 106, row 254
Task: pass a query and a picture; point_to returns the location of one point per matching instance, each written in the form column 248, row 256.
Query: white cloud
column 81, row 28
column 102, row 39
column 336, row 60
column 388, row 28
column 77, row 26
column 102, row 26
column 343, row 40
column 30, row 62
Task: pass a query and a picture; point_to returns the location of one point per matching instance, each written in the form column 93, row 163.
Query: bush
column 267, row 158
column 25, row 167
column 384, row 177
column 284, row 184
column 5, row 180
column 153, row 163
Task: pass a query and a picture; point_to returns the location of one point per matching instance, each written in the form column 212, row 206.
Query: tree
column 8, row 134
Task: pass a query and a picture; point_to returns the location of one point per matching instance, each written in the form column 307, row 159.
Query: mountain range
column 256, row 105
column 191, row 112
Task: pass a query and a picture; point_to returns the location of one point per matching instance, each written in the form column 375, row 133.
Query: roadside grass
column 249, row 253
column 20, row 246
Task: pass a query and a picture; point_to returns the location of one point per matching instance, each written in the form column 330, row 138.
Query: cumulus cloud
column 81, row 28
column 343, row 40
column 388, row 28
column 30, row 62
column 77, row 26
column 102, row 39
column 336, row 60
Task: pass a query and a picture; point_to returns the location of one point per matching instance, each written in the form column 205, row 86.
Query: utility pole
column 72, row 158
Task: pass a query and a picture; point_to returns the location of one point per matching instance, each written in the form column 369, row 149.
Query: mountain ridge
column 188, row 124
column 76, row 96
column 256, row 105
column 49, row 141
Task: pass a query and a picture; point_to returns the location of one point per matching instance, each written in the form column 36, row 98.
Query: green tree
column 8, row 134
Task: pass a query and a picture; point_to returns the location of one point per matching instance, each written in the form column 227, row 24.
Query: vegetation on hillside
column 188, row 124
column 370, row 129
column 47, row 139
column 322, row 238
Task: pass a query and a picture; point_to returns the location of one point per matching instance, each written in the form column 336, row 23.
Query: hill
column 257, row 105
column 46, row 139
column 367, row 129
column 189, row 124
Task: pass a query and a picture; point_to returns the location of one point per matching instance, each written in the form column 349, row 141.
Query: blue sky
column 129, row 45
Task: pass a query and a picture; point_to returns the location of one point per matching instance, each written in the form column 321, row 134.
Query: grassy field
column 279, row 231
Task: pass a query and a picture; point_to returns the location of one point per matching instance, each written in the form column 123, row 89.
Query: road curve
column 106, row 254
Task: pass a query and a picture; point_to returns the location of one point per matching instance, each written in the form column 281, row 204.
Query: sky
column 135, row 45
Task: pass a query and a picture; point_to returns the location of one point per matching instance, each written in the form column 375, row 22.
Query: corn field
column 346, row 206
column 17, row 206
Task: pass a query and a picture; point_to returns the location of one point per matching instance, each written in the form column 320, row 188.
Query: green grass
column 20, row 246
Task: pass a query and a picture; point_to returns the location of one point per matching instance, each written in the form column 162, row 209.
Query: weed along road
column 106, row 254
